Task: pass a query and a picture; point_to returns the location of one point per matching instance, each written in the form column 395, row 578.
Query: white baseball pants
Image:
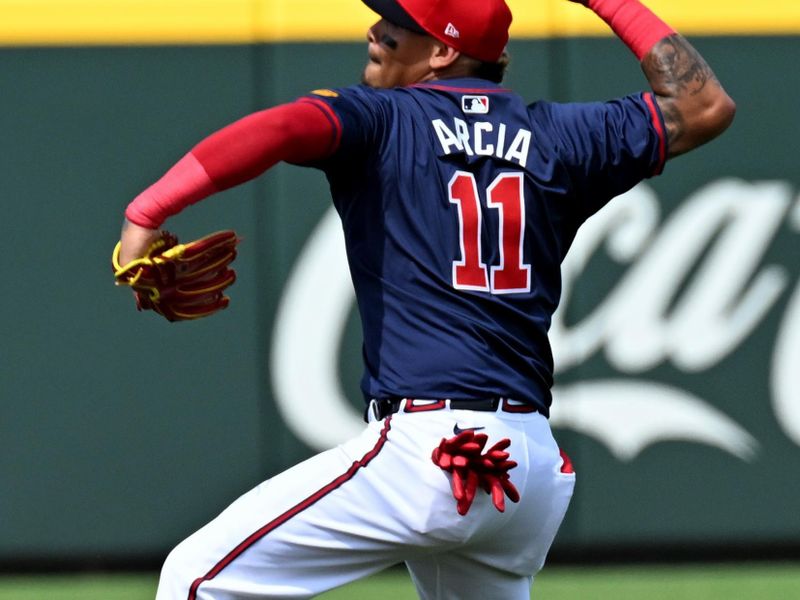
column 376, row 501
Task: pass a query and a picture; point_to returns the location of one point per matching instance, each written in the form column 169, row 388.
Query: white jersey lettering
column 501, row 140
column 480, row 148
column 462, row 132
column 518, row 152
column 446, row 137
column 482, row 139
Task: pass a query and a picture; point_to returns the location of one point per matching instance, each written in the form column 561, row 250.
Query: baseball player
column 458, row 202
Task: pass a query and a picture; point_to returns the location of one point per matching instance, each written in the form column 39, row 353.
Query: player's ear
column 442, row 55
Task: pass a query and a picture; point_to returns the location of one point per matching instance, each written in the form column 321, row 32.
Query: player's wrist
column 135, row 240
column 635, row 24
column 134, row 214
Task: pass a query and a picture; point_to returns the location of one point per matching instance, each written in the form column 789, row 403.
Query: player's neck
column 452, row 71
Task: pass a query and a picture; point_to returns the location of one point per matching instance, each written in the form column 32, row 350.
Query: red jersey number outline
column 506, row 195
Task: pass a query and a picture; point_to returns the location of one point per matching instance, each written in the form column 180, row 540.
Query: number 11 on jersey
column 506, row 195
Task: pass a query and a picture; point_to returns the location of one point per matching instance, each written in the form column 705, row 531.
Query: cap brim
column 394, row 13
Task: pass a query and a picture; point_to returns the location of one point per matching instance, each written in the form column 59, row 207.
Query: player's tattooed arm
column 695, row 107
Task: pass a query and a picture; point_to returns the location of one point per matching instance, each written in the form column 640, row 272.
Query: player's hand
column 135, row 241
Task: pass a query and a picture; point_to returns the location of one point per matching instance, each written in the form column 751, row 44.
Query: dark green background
column 120, row 433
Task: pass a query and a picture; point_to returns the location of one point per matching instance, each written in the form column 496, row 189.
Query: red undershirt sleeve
column 298, row 132
column 635, row 24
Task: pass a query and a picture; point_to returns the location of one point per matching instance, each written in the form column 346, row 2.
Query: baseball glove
column 181, row 281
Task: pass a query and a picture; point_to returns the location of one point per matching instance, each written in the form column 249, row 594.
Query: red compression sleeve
column 298, row 132
column 634, row 23
column 184, row 184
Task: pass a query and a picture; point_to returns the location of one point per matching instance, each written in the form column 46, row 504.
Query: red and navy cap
column 478, row 28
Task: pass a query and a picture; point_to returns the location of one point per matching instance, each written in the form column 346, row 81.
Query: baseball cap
column 478, row 28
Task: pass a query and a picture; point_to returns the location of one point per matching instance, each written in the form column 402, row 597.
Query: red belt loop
column 506, row 406
column 412, row 405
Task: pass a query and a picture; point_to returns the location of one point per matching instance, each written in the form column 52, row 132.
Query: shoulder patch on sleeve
column 327, row 93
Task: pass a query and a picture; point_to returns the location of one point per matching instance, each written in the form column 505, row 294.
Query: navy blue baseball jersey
column 459, row 202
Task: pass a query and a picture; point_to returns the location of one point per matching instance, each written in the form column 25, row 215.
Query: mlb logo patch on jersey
column 475, row 105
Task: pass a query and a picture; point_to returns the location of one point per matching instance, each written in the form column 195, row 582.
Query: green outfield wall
column 678, row 344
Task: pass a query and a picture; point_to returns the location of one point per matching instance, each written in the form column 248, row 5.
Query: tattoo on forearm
column 674, row 69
